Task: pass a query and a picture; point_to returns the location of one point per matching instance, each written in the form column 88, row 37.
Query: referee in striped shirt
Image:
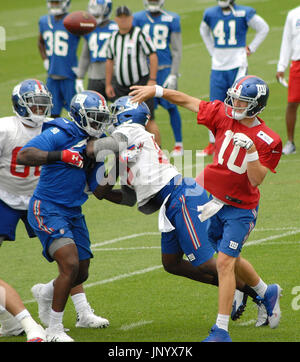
column 131, row 57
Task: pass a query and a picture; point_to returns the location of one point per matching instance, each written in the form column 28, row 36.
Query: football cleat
column 57, row 334
column 44, row 304
column 262, row 316
column 239, row 305
column 36, row 334
column 289, row 148
column 218, row 335
column 87, row 319
column 177, row 151
column 209, row 150
column 271, row 302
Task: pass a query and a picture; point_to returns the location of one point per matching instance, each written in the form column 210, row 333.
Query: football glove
column 79, row 86
column 46, row 64
column 73, row 158
column 170, row 82
column 243, row 141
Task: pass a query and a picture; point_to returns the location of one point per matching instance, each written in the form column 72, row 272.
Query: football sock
column 223, row 321
column 26, row 321
column 55, row 318
column 48, row 289
column 80, row 302
column 260, row 288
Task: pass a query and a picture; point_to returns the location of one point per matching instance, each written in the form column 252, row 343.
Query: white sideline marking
column 247, row 323
column 126, row 327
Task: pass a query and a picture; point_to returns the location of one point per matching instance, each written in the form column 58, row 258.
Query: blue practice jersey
column 60, row 182
column 159, row 28
column 61, row 46
column 98, row 39
column 229, row 31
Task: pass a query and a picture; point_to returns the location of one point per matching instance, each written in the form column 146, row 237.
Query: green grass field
column 127, row 284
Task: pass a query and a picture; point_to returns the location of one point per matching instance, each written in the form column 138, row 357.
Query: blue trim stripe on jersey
column 39, row 219
column 189, row 224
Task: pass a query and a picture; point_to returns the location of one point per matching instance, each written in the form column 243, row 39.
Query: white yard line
column 126, row 327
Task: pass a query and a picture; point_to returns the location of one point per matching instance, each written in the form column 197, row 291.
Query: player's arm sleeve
column 84, row 60
column 104, row 147
column 286, row 46
column 207, row 37
column 35, row 152
column 208, row 114
column 176, row 45
column 270, row 158
column 261, row 28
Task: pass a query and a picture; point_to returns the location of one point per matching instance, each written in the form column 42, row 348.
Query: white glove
column 79, row 85
column 170, row 82
column 243, row 141
column 46, row 64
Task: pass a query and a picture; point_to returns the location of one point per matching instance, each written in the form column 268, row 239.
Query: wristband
column 250, row 157
column 159, row 91
column 53, row 156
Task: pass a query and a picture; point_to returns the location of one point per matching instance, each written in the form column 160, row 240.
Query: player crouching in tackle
column 159, row 186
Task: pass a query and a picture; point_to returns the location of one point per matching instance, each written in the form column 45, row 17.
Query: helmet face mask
column 58, row 7
column 225, row 3
column 100, row 9
column 154, row 6
column 252, row 94
column 90, row 112
column 124, row 111
column 32, row 102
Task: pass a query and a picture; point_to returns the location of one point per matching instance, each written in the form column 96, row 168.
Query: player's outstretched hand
column 243, row 141
column 72, row 157
column 142, row 93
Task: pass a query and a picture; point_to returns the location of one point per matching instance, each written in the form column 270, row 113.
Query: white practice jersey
column 17, row 182
column 148, row 169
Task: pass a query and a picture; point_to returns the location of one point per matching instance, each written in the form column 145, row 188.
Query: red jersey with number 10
column 226, row 178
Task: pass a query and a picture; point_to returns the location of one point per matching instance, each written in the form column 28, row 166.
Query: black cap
column 123, row 10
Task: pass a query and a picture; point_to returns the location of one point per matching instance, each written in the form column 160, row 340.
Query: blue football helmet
column 154, row 6
column 250, row 89
column 124, row 111
column 58, row 7
column 100, row 9
column 32, row 102
column 89, row 111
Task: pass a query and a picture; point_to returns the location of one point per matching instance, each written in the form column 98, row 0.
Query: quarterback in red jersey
column 245, row 150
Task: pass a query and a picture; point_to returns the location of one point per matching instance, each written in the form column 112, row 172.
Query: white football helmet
column 154, row 6
column 100, row 9
column 58, row 7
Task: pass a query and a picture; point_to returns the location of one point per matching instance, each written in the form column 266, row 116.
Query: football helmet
column 250, row 89
column 32, row 102
column 123, row 110
column 100, row 9
column 225, row 3
column 89, row 111
column 58, row 7
column 153, row 6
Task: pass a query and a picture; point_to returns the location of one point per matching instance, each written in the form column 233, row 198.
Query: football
column 80, row 22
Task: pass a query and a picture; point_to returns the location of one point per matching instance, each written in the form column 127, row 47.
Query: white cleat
column 262, row 316
column 36, row 334
column 177, row 151
column 44, row 304
column 87, row 319
column 57, row 334
column 289, row 148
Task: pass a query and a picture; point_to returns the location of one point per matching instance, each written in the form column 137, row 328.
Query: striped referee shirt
column 130, row 54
